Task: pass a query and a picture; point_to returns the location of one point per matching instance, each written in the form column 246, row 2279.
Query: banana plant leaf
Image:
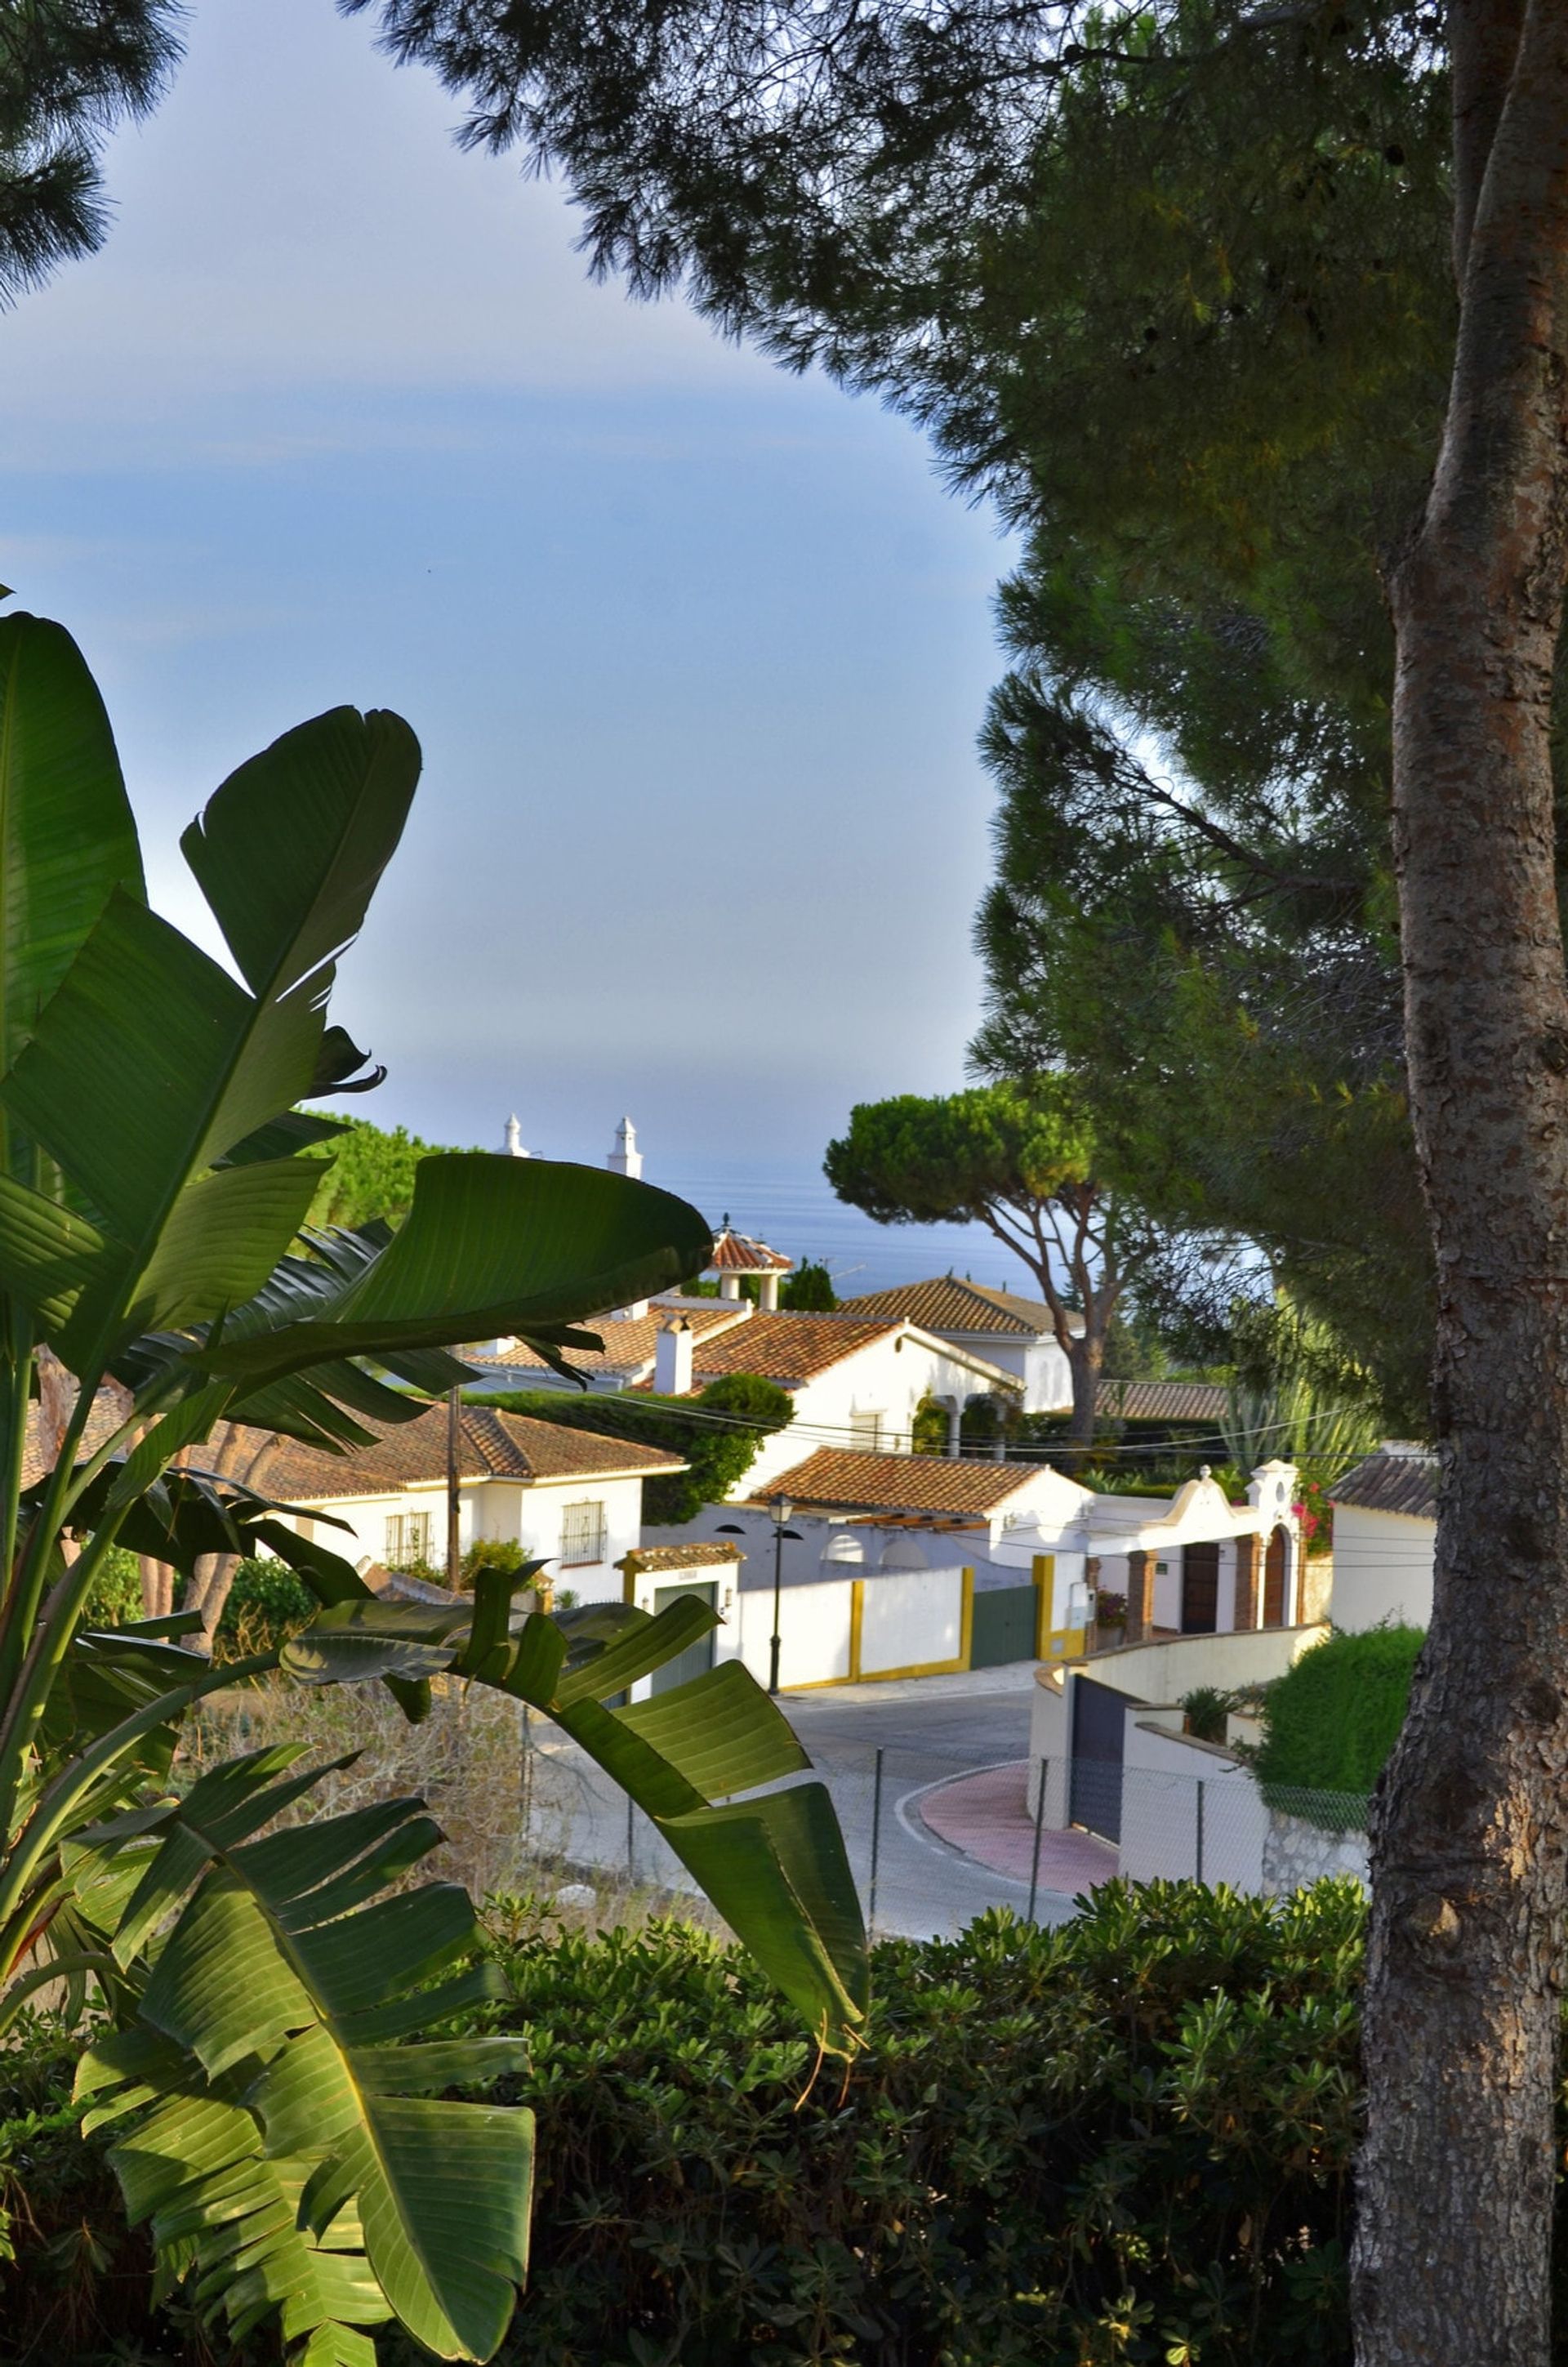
column 773, row 1863
column 273, row 2116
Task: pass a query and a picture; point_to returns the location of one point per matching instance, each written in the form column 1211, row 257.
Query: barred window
column 409, row 1539
column 581, row 1534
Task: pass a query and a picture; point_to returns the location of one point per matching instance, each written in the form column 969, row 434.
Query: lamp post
column 778, row 1511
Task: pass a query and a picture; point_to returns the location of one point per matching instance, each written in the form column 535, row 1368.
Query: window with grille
column 410, row 1539
column 581, row 1534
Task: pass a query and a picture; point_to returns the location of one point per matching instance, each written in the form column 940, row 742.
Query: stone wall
column 1296, row 1853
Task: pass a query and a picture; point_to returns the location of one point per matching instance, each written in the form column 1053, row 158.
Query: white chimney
column 626, row 1158
column 511, row 1140
column 673, row 1359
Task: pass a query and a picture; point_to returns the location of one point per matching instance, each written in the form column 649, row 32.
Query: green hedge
column 1126, row 2141
column 1331, row 1721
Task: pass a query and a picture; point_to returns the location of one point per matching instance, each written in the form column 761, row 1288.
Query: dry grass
column 522, row 1813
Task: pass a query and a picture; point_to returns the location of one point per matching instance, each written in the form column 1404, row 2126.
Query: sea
column 799, row 1214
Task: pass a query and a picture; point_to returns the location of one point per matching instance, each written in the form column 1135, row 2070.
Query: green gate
column 1004, row 1620
column 696, row 1656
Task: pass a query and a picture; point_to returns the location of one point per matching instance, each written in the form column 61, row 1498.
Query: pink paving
column 987, row 1816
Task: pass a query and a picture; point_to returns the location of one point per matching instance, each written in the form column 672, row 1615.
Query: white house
column 567, row 1497
column 1016, row 1333
column 629, row 1356
column 1385, row 1534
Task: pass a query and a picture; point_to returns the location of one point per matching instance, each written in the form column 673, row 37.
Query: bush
column 266, row 1604
column 1331, row 1720
column 115, row 1598
column 1208, row 1707
column 1127, row 2140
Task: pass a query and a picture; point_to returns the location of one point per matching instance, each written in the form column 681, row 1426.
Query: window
column 409, row 1539
column 581, row 1534
column 865, row 1432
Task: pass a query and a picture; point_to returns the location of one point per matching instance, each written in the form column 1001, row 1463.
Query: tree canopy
column 70, row 70
column 371, row 1175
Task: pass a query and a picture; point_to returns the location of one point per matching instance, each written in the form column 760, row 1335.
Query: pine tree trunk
column 1085, row 1355
column 1456, row 2185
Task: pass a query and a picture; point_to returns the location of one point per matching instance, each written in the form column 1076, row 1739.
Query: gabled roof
column 1161, row 1401
column 947, row 1304
column 711, row 1556
column 494, row 1445
column 838, row 1480
column 1404, row 1479
column 786, row 1348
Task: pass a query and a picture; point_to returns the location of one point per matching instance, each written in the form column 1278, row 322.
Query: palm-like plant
column 293, row 2154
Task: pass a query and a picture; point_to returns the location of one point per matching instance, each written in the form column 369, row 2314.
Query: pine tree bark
column 1457, row 2177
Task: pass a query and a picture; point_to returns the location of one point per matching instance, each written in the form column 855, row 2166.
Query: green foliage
column 115, row 1598
column 1207, row 1708
column 268, row 1603
column 1151, row 2150
column 1331, row 1721
column 372, row 1174
column 288, row 2157
column 717, row 1433
column 809, row 1289
column 70, row 70
column 950, row 1159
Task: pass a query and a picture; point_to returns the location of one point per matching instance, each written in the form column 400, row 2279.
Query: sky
column 698, row 650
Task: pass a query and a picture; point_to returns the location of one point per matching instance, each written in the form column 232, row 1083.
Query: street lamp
column 779, row 1510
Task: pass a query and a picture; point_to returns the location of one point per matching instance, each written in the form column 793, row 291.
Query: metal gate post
column 1039, row 1821
column 1201, row 1790
column 876, row 1846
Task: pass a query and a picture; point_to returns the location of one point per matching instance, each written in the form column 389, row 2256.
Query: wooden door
column 1200, row 1589
column 1276, row 1611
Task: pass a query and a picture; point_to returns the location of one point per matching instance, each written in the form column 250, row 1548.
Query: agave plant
column 262, row 1983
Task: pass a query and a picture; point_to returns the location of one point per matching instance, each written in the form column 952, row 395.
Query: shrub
column 1127, row 2140
column 266, row 1604
column 117, row 1590
column 1207, row 1708
column 1331, row 1720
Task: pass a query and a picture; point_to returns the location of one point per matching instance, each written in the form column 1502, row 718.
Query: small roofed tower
column 626, row 1158
column 735, row 1254
column 512, row 1140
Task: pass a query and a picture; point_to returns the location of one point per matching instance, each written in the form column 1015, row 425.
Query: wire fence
column 935, row 1837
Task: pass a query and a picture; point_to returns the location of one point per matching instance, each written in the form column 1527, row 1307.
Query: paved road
column 927, row 1729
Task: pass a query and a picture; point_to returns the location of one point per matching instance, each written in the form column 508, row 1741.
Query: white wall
column 501, row 1508
column 1161, row 1832
column 888, row 1377
column 814, row 1632
column 1382, row 1567
column 909, row 1618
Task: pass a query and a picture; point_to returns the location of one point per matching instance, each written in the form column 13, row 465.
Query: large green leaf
column 284, row 1976
column 150, row 1064
column 489, row 1244
column 67, row 838
column 772, row 1864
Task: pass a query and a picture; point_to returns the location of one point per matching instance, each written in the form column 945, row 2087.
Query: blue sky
column 697, row 651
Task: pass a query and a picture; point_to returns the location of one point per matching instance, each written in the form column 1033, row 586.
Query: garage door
column 1002, row 1625
column 696, row 1656
column 1094, row 1792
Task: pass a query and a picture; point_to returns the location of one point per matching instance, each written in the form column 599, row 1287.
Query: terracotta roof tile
column 1392, row 1483
column 495, row 1446
column 1161, row 1401
column 840, row 1479
column 786, row 1348
column 948, row 1304
column 739, row 1253
column 630, row 1341
column 693, row 1556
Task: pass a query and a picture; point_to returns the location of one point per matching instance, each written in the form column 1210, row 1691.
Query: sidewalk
column 987, row 1816
column 1014, row 1677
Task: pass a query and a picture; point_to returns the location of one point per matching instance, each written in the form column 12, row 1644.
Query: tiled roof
column 739, row 1253
column 786, row 1348
column 630, row 1341
column 1161, row 1401
column 695, row 1556
column 495, row 1446
column 111, row 1406
column 842, row 1481
column 1402, row 1482
column 947, row 1304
